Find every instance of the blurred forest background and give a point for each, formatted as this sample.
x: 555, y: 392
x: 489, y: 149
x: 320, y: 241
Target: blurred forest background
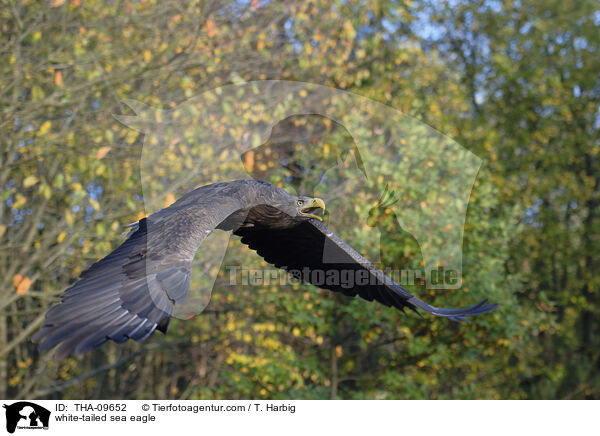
x: 515, y: 82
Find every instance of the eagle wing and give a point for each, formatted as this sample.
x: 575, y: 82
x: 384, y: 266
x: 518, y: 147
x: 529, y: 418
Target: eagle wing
x: 128, y: 294
x: 132, y: 291
x: 313, y: 253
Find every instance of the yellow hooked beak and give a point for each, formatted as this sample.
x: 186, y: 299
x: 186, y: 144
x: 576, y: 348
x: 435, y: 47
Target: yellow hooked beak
x: 312, y: 206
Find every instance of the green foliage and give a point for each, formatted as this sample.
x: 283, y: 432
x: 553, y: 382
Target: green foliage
x: 516, y: 85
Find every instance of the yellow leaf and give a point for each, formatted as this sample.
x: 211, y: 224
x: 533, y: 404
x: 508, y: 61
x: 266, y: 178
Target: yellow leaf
x: 131, y: 136
x: 76, y: 187
x: 56, y: 3
x: 102, y: 151
x: 44, y: 128
x: 211, y: 27
x: 24, y: 286
x: 29, y: 181
x: 349, y: 28
x: 22, y: 364
x: 2, y: 229
x: 170, y: 199
x: 21, y: 283
x: 95, y: 205
x: 19, y: 201
x: 58, y: 78
x: 147, y: 56
x: 249, y: 160
x: 45, y: 191
x: 17, y: 279
x: 339, y: 351
x: 61, y: 237
x: 69, y: 218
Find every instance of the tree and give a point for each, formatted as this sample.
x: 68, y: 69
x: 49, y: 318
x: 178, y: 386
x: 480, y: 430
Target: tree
x: 516, y: 85
x: 529, y: 73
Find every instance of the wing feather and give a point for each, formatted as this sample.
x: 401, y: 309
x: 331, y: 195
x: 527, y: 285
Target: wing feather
x: 311, y: 245
x: 132, y: 291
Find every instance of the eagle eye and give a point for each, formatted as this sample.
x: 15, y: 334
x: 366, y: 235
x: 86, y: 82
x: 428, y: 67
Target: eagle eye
x: 300, y: 202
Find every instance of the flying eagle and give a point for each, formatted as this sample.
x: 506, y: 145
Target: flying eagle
x: 133, y: 291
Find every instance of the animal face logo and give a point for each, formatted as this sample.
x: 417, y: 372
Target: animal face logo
x: 417, y: 181
x: 26, y: 415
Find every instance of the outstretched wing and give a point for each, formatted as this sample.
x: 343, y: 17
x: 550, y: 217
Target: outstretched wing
x: 128, y: 294
x: 132, y: 291
x: 313, y: 253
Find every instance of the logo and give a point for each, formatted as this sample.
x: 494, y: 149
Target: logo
x: 26, y: 415
x: 378, y: 170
